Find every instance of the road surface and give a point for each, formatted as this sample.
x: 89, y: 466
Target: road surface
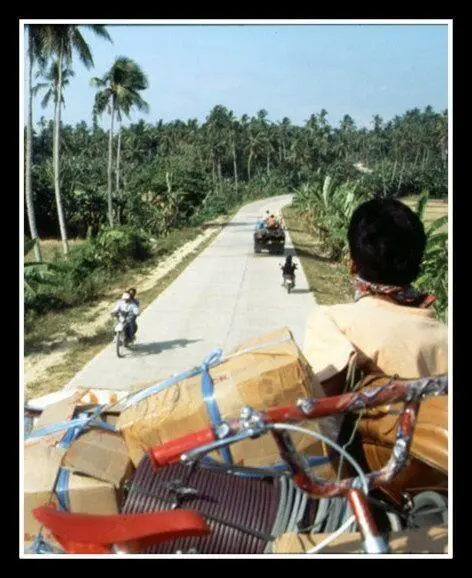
x: 226, y: 296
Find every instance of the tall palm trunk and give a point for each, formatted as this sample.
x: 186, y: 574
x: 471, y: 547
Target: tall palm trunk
x: 110, y: 165
x: 220, y: 179
x: 249, y: 160
x: 57, y: 189
x: 118, y: 152
x: 213, y: 169
x: 235, y: 165
x: 29, y: 163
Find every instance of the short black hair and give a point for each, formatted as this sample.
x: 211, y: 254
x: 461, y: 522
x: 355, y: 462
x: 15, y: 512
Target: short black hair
x: 386, y: 241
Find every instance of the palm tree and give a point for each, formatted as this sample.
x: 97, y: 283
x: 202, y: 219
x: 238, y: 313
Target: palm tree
x: 118, y: 93
x: 61, y: 41
x: 52, y: 77
x: 33, y: 56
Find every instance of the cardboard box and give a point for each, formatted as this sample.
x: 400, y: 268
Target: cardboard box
x: 55, y: 413
x: 433, y: 540
x: 86, y: 495
x: 89, y: 396
x: 96, y: 452
x: 100, y: 454
x: 264, y: 372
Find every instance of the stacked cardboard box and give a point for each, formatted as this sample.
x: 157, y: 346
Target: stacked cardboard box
x: 261, y: 373
x: 264, y: 372
x: 97, y: 464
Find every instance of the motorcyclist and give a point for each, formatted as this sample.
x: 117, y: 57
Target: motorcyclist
x: 128, y: 306
x: 132, y: 291
x: 288, y: 269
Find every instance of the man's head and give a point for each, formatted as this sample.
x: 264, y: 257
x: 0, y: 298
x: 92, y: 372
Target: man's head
x: 132, y: 292
x: 386, y: 242
x: 126, y: 296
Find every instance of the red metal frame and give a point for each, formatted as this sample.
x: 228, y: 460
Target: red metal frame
x: 80, y: 533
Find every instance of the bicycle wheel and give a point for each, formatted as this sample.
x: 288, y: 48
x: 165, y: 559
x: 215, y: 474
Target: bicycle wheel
x: 429, y: 509
x: 120, y: 339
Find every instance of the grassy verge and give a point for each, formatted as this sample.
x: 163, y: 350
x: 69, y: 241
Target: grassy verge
x: 330, y: 281
x: 435, y: 209
x: 45, y: 336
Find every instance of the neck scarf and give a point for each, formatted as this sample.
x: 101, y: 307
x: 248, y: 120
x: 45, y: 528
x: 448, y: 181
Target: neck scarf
x: 402, y: 294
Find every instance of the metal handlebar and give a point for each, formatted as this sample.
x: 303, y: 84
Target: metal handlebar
x: 253, y: 424
x: 195, y: 445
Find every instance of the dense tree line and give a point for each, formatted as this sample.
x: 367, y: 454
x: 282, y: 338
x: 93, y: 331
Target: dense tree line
x: 159, y: 176
x: 121, y: 187
x: 167, y: 172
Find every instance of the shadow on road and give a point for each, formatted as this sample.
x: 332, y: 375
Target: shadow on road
x: 158, y: 346
x: 300, y: 291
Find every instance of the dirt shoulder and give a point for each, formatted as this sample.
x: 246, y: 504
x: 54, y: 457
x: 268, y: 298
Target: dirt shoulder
x: 330, y: 281
x: 80, y: 334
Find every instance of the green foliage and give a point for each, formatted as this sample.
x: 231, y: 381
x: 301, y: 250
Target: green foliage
x: 176, y: 174
x: 84, y: 274
x: 434, y: 269
x: 328, y: 205
x: 119, y: 246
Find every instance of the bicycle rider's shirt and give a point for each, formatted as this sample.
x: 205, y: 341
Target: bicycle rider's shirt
x: 126, y: 307
x: 408, y: 341
x: 288, y: 269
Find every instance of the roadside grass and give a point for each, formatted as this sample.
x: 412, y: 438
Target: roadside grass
x: 330, y: 281
x: 435, y: 209
x: 51, y: 249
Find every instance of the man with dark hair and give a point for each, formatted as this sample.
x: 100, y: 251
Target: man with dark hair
x: 391, y: 327
x: 386, y: 242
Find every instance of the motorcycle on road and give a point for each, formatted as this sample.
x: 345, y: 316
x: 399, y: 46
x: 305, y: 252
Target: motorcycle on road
x: 123, y: 332
x: 289, y: 282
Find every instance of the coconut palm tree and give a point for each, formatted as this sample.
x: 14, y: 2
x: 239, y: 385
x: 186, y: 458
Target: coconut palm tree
x: 33, y: 56
x: 118, y: 93
x: 61, y: 42
x: 52, y: 78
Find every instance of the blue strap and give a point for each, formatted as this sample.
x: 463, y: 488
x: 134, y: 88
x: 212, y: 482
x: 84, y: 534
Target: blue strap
x: 81, y: 423
x: 209, y: 397
x: 41, y: 546
x: 62, y: 489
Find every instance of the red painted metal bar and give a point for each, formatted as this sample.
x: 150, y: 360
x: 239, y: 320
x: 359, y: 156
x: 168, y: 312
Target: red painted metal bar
x: 87, y: 533
x: 171, y: 451
x: 360, y: 509
x: 396, y: 391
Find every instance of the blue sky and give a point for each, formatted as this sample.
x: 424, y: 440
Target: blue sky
x: 289, y: 70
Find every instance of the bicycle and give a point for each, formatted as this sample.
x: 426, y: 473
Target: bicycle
x: 80, y: 533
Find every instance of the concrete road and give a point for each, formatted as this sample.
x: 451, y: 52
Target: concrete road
x: 226, y: 296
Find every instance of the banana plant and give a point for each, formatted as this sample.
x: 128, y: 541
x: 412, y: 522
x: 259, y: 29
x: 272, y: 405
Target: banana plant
x: 434, y: 269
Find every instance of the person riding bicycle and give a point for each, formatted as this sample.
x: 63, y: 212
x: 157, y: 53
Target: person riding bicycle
x: 389, y: 330
x: 288, y: 269
x: 132, y: 291
x: 128, y: 306
x: 390, y: 327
